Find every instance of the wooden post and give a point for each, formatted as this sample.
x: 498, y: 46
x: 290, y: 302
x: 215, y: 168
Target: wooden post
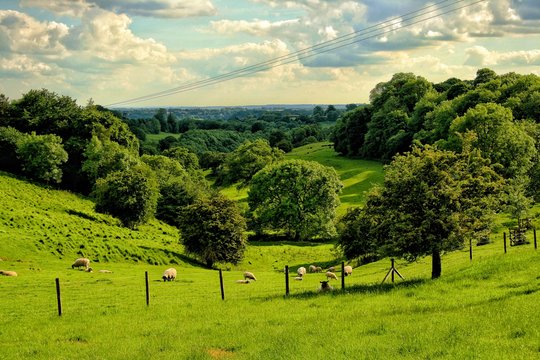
x: 504, y: 238
x: 392, y: 269
x: 147, y: 288
x: 535, y: 243
x: 58, y: 297
x: 286, y: 280
x: 470, y: 249
x: 342, y: 275
x: 221, y: 285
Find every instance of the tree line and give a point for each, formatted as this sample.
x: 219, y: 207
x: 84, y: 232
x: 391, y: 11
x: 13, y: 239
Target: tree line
x: 88, y: 149
x: 458, y: 152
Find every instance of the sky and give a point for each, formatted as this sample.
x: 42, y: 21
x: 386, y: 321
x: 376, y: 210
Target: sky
x: 113, y: 51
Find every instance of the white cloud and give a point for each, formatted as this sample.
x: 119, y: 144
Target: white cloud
x: 480, y: 56
x: 21, y: 33
x: 150, y: 8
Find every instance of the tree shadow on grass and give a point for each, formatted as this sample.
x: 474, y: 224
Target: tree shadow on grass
x: 360, y: 289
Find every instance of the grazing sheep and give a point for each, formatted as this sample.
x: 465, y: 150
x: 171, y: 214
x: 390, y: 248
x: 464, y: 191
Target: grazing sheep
x: 348, y: 270
x: 105, y: 271
x: 89, y: 269
x: 325, y: 286
x: 243, y: 281
x: 248, y: 275
x: 330, y: 275
x: 331, y: 269
x: 80, y: 262
x: 318, y: 269
x: 298, y: 278
x: 8, y: 273
x: 169, y: 274
x: 301, y: 271
x: 312, y: 268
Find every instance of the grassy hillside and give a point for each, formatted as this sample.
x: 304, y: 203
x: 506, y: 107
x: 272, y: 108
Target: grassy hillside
x: 487, y: 308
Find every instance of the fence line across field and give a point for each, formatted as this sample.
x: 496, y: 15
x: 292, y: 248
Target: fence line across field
x: 109, y: 293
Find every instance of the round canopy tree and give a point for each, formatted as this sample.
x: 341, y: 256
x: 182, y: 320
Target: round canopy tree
x: 297, y: 196
x: 130, y: 195
x: 431, y: 202
x: 213, y: 230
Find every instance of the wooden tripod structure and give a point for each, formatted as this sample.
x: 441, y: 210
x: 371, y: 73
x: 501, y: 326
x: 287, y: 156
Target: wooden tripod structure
x: 392, y: 271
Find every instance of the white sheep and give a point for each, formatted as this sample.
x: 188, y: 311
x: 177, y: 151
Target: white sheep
x: 243, y: 281
x: 89, y: 269
x: 312, y: 268
x: 325, y: 286
x: 169, y: 274
x: 8, y: 273
x: 331, y: 269
x: 301, y: 271
x: 248, y: 275
x: 330, y: 275
x: 348, y: 270
x: 81, y: 262
x: 299, y: 278
x: 103, y: 271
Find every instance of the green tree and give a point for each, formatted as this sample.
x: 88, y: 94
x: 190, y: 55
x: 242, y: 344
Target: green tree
x: 130, y: 195
x: 247, y: 160
x: 499, y: 138
x: 431, y: 202
x: 186, y: 158
x: 103, y: 158
x: 213, y: 230
x: 9, y: 138
x: 297, y: 196
x: 41, y: 156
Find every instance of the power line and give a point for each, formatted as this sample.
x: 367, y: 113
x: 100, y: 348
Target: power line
x: 321, y: 48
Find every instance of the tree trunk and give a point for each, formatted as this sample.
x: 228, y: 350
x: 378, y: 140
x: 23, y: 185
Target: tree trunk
x: 436, y: 264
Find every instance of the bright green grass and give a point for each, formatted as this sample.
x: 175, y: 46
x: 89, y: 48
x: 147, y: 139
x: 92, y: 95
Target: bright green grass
x: 358, y: 176
x: 485, y: 309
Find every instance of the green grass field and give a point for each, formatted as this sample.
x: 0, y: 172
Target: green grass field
x: 487, y: 308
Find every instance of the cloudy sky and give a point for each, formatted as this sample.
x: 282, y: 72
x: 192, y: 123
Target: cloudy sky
x: 117, y: 50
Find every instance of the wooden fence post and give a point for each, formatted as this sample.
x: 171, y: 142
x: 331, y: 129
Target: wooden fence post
x: 535, y: 243
x: 58, y: 297
x: 393, y: 267
x: 221, y: 285
x: 342, y: 275
x: 470, y: 249
x: 286, y: 280
x: 147, y: 288
x: 504, y: 238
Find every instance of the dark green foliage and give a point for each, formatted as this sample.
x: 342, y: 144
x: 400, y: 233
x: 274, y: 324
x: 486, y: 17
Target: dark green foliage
x: 244, y: 162
x: 41, y: 156
x: 130, y: 195
x: 431, y: 202
x: 349, y: 132
x: 299, y: 197
x: 213, y: 230
x: 187, y: 159
x: 9, y: 137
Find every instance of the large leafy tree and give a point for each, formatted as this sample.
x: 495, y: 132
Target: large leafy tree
x: 247, y: 160
x: 297, y: 196
x: 130, y: 195
x: 41, y: 156
x: 213, y: 230
x: 498, y: 138
x: 431, y: 202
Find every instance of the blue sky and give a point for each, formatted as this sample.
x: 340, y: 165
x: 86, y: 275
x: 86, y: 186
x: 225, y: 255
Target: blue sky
x: 116, y: 50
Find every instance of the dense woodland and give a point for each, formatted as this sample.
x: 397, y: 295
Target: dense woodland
x: 458, y: 152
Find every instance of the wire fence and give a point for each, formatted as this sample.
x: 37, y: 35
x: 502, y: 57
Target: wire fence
x: 105, y: 293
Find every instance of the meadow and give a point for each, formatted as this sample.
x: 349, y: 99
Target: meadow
x: 487, y: 308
